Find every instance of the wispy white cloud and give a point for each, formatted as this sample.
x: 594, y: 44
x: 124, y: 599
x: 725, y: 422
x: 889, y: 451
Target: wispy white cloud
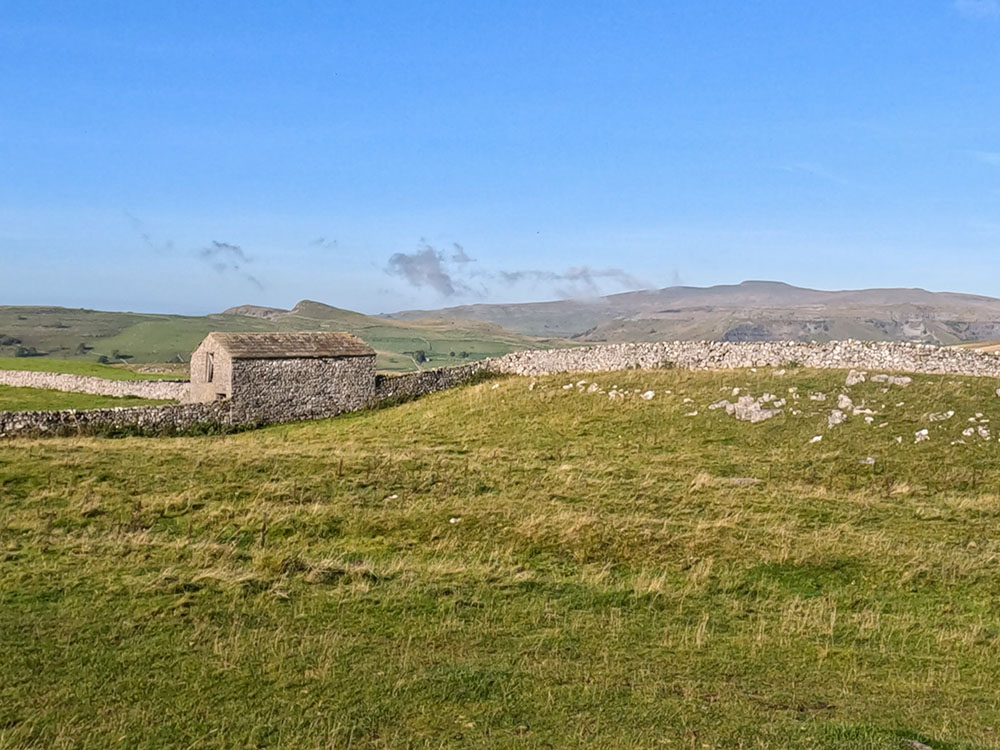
x: 814, y: 170
x: 978, y: 8
x: 987, y: 157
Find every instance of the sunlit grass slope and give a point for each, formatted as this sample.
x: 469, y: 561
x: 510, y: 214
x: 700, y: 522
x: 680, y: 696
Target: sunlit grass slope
x: 514, y: 566
x: 34, y: 399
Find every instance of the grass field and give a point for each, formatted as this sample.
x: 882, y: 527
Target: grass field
x: 33, y: 399
x: 517, y: 566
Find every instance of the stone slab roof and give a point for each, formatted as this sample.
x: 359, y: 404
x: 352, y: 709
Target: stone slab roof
x: 292, y: 345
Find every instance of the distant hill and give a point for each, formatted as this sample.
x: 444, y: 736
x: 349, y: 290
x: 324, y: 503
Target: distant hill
x: 753, y: 310
x: 65, y: 333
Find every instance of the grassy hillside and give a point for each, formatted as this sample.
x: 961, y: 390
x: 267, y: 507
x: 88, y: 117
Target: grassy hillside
x: 32, y: 399
x: 509, y: 565
x: 85, y: 335
x: 750, y: 311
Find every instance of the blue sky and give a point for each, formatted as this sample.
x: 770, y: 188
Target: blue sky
x: 189, y: 156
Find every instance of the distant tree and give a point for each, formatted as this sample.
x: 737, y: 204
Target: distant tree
x: 420, y: 355
x: 451, y: 354
x: 103, y: 359
x: 26, y: 351
x: 120, y: 356
x: 464, y: 355
x: 82, y: 348
x: 6, y: 340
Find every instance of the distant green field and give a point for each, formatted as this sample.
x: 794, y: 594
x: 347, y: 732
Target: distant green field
x: 516, y: 564
x: 77, y: 367
x: 85, y: 335
x: 31, y: 399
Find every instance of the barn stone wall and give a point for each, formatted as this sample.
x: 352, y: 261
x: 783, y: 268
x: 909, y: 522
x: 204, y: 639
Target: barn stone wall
x: 304, y: 388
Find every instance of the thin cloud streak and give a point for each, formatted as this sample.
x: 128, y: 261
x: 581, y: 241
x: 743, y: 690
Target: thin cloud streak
x: 428, y: 267
x: 224, y: 258
x: 978, y: 9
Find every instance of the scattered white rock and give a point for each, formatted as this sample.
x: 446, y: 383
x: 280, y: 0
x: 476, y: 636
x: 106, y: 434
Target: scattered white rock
x: 495, y: 386
x: 900, y: 380
x: 793, y: 389
x: 884, y: 424
x: 867, y: 461
x: 899, y: 439
x: 844, y: 402
x: 941, y: 417
x: 749, y: 409
x: 531, y: 385
x: 854, y: 377
x: 454, y: 519
x: 984, y: 432
x: 691, y: 414
x: 736, y: 391
x: 648, y: 395
x: 567, y: 386
x: 779, y: 403
x: 816, y: 439
x: 922, y: 435
x: 880, y: 378
x: 688, y: 401
x: 767, y: 398
x: 998, y: 392
x: 593, y: 388
x: 969, y: 432
x: 817, y: 397
x: 836, y: 417
x: 869, y: 419
x: 719, y: 405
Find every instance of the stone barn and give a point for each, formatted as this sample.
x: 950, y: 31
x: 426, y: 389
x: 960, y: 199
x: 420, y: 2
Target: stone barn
x: 282, y: 376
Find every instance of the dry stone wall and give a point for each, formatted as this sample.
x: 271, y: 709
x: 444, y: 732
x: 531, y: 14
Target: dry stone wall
x: 153, y: 420
x: 413, y: 384
x: 262, y: 396
x: 169, y: 390
x: 714, y: 355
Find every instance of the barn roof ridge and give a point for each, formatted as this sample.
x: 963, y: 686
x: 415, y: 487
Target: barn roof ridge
x: 290, y: 344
